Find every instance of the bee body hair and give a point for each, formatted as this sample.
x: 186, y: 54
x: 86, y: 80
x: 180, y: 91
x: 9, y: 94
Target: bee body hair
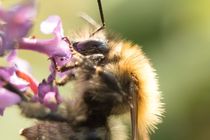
x: 108, y: 87
x: 134, y: 73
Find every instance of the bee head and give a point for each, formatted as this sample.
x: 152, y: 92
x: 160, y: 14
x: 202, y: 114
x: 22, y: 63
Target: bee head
x: 91, y: 45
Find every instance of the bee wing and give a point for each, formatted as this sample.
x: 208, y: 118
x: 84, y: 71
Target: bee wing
x: 89, y: 19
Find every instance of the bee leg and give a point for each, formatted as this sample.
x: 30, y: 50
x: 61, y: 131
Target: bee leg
x: 95, y: 58
x: 64, y: 80
x: 40, y: 112
x: 69, y: 65
x: 49, y: 131
x: 133, y: 111
x: 33, y: 109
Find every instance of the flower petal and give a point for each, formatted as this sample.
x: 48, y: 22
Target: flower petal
x: 7, y: 98
x: 6, y: 73
x: 48, y: 93
x: 52, y: 25
x: 50, y: 47
x: 50, y: 100
x: 44, y: 88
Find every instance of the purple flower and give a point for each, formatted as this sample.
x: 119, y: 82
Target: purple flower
x: 8, y: 75
x: 19, y: 79
x: 7, y: 98
x: 55, y: 47
x: 5, y: 74
x: 18, y: 76
x: 48, y: 93
x: 15, y: 24
x: 21, y: 76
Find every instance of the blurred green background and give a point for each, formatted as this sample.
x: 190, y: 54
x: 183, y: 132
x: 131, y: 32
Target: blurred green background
x: 176, y: 37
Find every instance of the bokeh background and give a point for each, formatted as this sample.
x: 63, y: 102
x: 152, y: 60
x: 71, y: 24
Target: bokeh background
x: 175, y: 35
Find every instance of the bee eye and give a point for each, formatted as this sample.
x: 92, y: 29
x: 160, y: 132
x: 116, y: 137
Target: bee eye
x: 89, y: 47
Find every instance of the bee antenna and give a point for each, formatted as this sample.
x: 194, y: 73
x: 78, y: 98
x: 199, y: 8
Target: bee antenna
x: 102, y: 18
x: 101, y: 13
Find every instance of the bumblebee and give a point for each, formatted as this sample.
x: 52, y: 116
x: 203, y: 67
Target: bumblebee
x: 116, y: 93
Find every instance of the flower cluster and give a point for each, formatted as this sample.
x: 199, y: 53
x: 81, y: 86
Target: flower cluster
x: 16, y: 82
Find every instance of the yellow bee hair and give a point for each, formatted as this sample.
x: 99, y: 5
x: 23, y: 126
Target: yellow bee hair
x: 133, y: 62
x: 136, y: 63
